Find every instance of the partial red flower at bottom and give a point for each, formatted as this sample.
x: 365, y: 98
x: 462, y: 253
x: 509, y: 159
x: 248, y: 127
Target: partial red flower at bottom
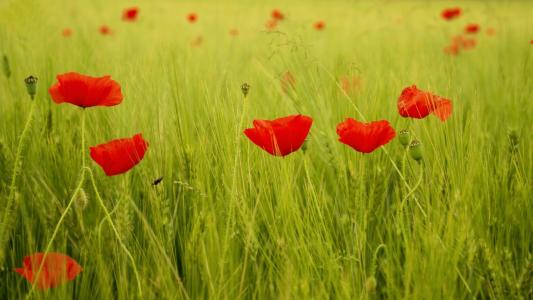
x: 365, y: 137
x: 56, y: 269
x: 120, y: 155
x: 282, y: 136
x: 319, y: 25
x: 418, y: 104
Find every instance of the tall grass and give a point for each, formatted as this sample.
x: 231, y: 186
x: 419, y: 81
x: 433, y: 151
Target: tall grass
x: 230, y: 221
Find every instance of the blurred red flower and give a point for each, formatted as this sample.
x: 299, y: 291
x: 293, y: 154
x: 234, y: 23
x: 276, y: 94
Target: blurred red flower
x: 56, y: 269
x: 414, y: 103
x: 282, y: 136
x: 451, y: 13
x: 192, y: 17
x: 105, y: 30
x: 319, y: 25
x: 66, y: 32
x: 130, y: 14
x: 277, y: 15
x: 472, y: 28
x: 120, y: 155
x: 86, y: 91
x: 271, y: 24
x: 365, y: 137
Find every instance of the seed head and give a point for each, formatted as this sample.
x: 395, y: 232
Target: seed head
x: 404, y: 137
x: 31, y: 85
x: 81, y: 200
x: 415, y: 149
x: 371, y: 284
x: 245, y: 87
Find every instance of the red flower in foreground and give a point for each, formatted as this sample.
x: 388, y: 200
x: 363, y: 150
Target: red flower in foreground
x: 472, y: 28
x: 56, y: 269
x: 86, y: 91
x: 365, y: 137
x: 120, y: 155
x: 277, y: 15
x: 451, y: 13
x: 414, y: 103
x: 130, y: 14
x: 319, y: 25
x: 105, y: 30
x: 281, y: 136
x: 66, y: 32
x: 192, y: 17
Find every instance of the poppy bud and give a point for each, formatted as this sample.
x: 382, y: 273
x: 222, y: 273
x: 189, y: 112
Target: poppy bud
x: 415, y: 149
x: 404, y: 137
x: 371, y: 284
x: 245, y: 87
x: 5, y: 65
x: 31, y: 86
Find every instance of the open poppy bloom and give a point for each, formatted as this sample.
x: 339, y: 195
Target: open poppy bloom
x: 365, y: 137
x: 282, y: 136
x: 414, y: 103
x: 130, y: 14
x: 192, y: 17
x: 277, y: 15
x: 319, y: 25
x: 120, y: 155
x: 56, y: 269
x: 451, y: 13
x: 472, y: 28
x: 86, y: 91
x: 105, y: 30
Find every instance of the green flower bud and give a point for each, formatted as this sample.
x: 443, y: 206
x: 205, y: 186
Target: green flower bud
x: 371, y: 284
x: 81, y: 200
x: 31, y: 86
x: 5, y: 65
x: 404, y: 137
x: 415, y: 149
x: 245, y: 88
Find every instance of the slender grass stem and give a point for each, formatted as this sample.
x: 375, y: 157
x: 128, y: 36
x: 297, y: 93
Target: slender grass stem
x: 10, y: 206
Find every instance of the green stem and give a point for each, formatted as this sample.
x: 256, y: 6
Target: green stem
x: 108, y: 217
x: 67, y: 209
x: 11, y: 199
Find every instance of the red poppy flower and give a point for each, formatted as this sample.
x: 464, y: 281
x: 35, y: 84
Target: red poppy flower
x: 130, y: 14
x: 414, y: 103
x: 365, y: 137
x: 472, y: 28
x: 281, y: 136
x: 120, y: 155
x: 531, y: 42
x: 277, y: 15
x: 451, y: 13
x: 105, y: 30
x: 86, y: 91
x: 56, y: 269
x: 319, y: 25
x: 66, y: 32
x: 192, y: 17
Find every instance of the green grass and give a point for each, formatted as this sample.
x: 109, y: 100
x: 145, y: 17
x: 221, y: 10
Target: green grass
x: 230, y: 221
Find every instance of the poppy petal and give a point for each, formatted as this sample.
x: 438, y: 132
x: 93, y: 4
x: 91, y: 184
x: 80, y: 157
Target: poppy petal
x: 120, y: 155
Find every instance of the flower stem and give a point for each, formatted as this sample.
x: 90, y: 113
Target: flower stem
x: 10, y: 206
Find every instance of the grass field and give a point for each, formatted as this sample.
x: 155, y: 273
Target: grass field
x: 230, y: 221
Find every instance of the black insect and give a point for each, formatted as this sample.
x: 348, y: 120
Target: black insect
x: 157, y: 181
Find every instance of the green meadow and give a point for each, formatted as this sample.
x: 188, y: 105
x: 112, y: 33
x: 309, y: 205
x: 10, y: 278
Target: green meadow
x: 230, y: 221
